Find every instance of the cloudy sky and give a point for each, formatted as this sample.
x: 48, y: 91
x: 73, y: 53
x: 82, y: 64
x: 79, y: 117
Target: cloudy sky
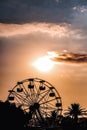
x: 29, y: 29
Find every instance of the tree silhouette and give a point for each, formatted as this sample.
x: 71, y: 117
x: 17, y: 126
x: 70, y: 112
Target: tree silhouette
x: 53, y: 119
x: 75, y: 110
x: 67, y: 123
x: 11, y: 116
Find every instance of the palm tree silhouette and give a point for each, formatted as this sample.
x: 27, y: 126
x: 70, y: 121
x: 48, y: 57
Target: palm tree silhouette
x: 75, y: 110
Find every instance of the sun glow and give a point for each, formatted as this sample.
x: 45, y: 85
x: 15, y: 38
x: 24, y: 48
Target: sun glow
x: 44, y: 64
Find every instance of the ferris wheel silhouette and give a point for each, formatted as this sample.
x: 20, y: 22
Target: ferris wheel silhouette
x: 36, y: 97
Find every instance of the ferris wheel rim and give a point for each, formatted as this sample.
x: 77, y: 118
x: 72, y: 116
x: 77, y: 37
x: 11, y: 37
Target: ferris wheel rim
x: 25, y: 80
x: 51, y: 88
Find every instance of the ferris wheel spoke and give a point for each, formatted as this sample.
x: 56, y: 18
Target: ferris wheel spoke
x: 48, y: 108
x: 45, y: 113
x: 21, y: 87
x: 37, y: 94
x: 48, y: 101
x: 26, y: 92
x: 36, y: 88
x: 46, y: 98
x: 51, y: 105
x: 33, y: 95
x: 21, y: 97
x: 17, y: 101
x: 27, y: 96
x: 41, y: 93
x: 38, y: 97
x: 43, y: 96
x: 30, y: 95
x: 31, y: 92
x: 26, y: 108
x: 21, y: 101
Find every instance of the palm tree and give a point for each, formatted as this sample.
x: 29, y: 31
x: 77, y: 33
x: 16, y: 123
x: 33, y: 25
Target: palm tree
x: 75, y: 110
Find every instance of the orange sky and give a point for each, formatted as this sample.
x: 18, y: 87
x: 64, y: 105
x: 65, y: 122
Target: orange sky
x: 21, y: 45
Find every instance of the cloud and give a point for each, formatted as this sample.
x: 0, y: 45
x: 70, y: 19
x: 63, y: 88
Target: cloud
x: 53, y: 11
x: 58, y: 36
x: 54, y: 30
x: 23, y: 29
x: 70, y: 58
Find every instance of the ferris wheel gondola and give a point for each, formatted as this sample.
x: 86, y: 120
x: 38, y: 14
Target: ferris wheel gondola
x: 36, y: 97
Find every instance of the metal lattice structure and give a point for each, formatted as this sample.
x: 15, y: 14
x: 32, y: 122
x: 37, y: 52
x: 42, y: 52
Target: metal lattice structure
x: 36, y: 97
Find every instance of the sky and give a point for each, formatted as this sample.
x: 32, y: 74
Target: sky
x: 29, y: 29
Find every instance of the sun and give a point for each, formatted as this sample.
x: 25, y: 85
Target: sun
x: 44, y: 64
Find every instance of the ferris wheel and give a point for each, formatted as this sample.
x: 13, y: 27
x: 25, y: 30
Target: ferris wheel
x: 36, y: 97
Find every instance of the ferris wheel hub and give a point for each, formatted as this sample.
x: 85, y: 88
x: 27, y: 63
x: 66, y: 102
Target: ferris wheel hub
x: 34, y: 107
x: 36, y: 97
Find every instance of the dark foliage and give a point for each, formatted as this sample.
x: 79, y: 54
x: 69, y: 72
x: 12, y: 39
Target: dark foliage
x: 11, y: 117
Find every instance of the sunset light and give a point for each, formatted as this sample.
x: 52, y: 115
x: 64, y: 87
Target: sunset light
x: 44, y: 64
x: 43, y: 52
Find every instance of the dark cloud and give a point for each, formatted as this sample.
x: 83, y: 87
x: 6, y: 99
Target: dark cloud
x: 22, y: 11
x: 71, y: 58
